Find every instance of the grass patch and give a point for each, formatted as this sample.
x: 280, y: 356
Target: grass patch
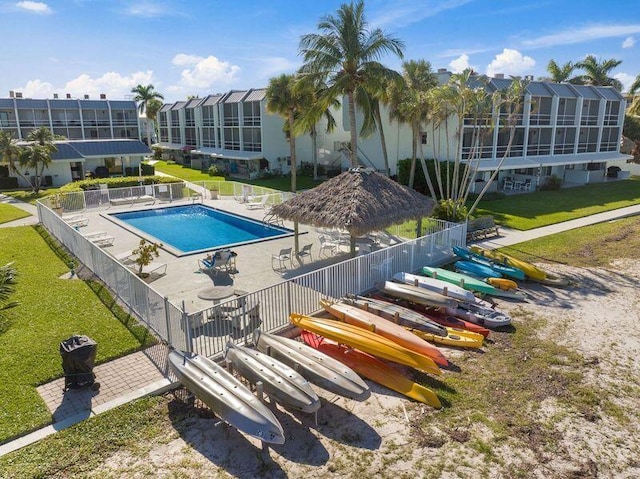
x: 51, y: 309
x: 590, y: 246
x: 282, y: 183
x: 11, y: 213
x: 28, y: 196
x: 542, y: 208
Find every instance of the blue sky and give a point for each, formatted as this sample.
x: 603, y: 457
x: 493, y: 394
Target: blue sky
x: 199, y: 47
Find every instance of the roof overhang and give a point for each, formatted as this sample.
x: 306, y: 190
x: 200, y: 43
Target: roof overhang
x: 492, y: 164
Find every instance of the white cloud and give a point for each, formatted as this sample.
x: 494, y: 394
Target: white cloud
x: 114, y: 85
x: 35, y: 7
x: 582, y: 34
x: 148, y: 9
x: 510, y: 62
x: 626, y: 80
x: 459, y: 64
x: 628, y: 42
x: 205, y: 72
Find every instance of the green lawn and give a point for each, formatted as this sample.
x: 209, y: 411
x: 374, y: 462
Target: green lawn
x: 51, y: 309
x: 542, y: 208
x: 29, y: 196
x: 11, y: 213
x: 281, y: 183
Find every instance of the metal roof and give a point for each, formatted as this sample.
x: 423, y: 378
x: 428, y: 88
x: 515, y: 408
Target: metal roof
x: 609, y: 93
x: 501, y: 83
x: 124, y: 104
x: 179, y: 105
x: 55, y: 104
x: 235, y: 96
x: 537, y: 88
x: 110, y: 147
x: 587, y: 92
x: 212, y: 100
x: 66, y: 152
x: 166, y: 107
x: 94, y: 104
x: 29, y: 103
x: 6, y: 102
x: 194, y: 102
x: 256, y: 94
x: 562, y: 89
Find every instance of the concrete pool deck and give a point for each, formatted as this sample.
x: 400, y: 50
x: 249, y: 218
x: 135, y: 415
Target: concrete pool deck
x: 183, y: 280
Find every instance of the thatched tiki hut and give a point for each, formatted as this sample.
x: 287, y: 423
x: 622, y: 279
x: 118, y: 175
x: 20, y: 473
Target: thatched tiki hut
x: 358, y: 201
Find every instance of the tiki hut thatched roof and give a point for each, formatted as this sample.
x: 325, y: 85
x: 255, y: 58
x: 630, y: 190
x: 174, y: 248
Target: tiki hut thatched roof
x: 358, y: 200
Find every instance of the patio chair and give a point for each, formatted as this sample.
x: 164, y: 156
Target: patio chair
x: 305, y: 251
x: 282, y: 257
x: 526, y: 185
x: 257, y: 205
x: 327, y: 245
x: 77, y: 221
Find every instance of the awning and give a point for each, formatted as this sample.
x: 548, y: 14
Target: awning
x: 169, y: 146
x: 550, y: 160
x: 228, y: 154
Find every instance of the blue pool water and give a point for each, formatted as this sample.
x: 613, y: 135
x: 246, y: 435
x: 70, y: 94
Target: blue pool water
x: 194, y: 228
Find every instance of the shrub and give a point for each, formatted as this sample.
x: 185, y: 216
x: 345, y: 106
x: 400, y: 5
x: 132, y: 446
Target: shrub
x: 631, y: 128
x: 148, y: 170
x: 552, y: 183
x: 449, y: 210
x: 157, y: 153
x: 213, y: 171
x: 122, y: 182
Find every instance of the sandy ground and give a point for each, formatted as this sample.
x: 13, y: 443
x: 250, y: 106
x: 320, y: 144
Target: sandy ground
x: 376, y: 438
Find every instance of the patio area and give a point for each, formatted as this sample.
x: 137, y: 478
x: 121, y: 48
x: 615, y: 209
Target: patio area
x: 255, y: 266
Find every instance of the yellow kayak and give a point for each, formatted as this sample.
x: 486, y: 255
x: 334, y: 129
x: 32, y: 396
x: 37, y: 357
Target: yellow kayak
x: 372, y: 368
x: 366, y: 341
x: 502, y: 283
x: 531, y: 271
x: 456, y: 338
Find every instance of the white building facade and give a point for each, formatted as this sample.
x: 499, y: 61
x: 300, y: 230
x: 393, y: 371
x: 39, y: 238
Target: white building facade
x: 102, y: 135
x: 572, y: 132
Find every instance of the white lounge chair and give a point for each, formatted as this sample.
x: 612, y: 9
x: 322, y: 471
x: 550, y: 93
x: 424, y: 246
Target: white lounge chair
x: 100, y: 238
x: 76, y: 221
x: 149, y: 270
x: 258, y: 205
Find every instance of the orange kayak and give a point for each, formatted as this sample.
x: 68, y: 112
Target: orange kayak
x: 383, y: 327
x: 366, y: 341
x: 372, y: 368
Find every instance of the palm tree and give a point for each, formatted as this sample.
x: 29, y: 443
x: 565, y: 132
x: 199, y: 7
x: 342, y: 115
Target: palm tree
x: 315, y: 105
x: 634, y: 108
x: 379, y: 91
x: 153, y: 107
x: 560, y: 73
x: 284, y: 99
x: 37, y: 153
x: 345, y: 55
x: 144, y: 94
x: 597, y: 72
x: 8, y: 275
x: 10, y: 152
x: 409, y: 104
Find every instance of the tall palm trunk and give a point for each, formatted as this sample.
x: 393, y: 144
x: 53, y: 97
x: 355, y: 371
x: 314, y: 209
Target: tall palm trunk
x: 353, y: 155
x: 294, y: 174
x: 383, y: 141
x: 414, y: 155
x: 314, y: 154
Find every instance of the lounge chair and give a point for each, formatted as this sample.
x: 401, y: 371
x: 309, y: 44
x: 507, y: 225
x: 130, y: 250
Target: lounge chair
x: 258, y: 205
x: 100, y: 238
x: 224, y: 260
x: 149, y: 270
x: 126, y: 257
x: 76, y: 221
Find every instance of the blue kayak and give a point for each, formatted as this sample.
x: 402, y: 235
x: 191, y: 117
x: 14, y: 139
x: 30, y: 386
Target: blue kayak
x: 504, y: 270
x: 476, y: 269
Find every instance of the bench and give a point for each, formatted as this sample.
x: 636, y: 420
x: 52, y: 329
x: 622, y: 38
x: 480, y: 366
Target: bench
x: 481, y: 228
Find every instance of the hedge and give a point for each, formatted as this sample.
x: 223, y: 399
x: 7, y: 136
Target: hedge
x: 122, y: 182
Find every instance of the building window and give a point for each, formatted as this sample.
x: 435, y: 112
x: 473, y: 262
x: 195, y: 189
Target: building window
x: 4, y: 118
x: 423, y: 138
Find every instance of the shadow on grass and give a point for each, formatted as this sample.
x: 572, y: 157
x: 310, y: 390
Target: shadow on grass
x: 141, y: 333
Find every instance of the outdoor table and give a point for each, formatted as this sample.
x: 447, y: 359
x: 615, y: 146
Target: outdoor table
x: 216, y: 293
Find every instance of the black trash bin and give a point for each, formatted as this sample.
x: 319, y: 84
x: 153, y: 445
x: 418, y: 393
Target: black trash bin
x: 78, y: 358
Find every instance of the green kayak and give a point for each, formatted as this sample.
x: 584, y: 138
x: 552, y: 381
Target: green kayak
x: 469, y: 283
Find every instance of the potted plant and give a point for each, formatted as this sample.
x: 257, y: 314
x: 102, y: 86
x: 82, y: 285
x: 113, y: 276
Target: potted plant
x: 214, y: 192
x: 144, y: 255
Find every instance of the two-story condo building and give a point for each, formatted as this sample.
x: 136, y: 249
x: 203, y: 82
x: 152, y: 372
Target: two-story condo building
x: 569, y: 131
x: 99, y: 134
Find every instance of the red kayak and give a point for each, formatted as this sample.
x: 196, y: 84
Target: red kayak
x: 372, y: 368
x: 437, y: 316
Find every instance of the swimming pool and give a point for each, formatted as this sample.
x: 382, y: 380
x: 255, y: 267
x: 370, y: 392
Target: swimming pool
x: 195, y: 228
